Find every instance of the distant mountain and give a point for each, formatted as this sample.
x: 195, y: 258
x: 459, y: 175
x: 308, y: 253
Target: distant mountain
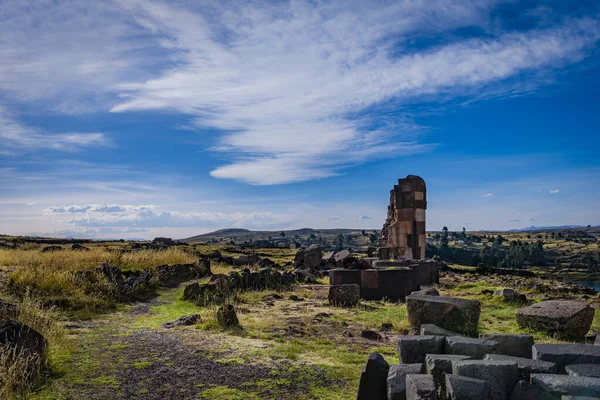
x: 547, y: 228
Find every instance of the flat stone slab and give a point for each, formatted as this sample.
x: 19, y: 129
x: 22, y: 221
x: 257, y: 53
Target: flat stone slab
x: 526, y: 391
x: 454, y: 314
x: 420, y: 387
x: 431, y: 329
x: 527, y: 366
x: 591, y: 370
x: 438, y: 365
x: 344, y: 295
x: 566, y: 385
x: 396, y: 380
x: 512, y: 345
x: 475, y: 348
x: 501, y: 375
x: 412, y: 349
x: 464, y: 388
x: 564, y: 318
x: 373, y: 379
x: 566, y: 354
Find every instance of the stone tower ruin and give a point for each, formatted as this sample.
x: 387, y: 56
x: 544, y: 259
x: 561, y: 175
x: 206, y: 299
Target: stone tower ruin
x: 403, y: 233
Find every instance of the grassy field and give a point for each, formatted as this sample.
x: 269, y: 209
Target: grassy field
x: 292, y: 344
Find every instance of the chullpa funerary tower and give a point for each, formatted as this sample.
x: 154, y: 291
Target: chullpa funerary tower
x: 403, y: 233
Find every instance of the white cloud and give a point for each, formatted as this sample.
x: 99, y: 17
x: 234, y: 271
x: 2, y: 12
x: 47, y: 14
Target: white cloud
x: 333, y: 218
x: 487, y: 195
x: 289, y: 86
x: 554, y: 191
x: 286, y: 82
x: 143, y: 216
x: 363, y: 217
x: 18, y: 137
x: 31, y: 203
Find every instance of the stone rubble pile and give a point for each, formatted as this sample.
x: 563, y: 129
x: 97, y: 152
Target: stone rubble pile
x: 457, y: 367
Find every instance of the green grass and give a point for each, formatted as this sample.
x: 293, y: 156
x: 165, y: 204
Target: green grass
x: 225, y: 392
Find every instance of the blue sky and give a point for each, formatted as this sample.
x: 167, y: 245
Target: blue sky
x: 130, y: 118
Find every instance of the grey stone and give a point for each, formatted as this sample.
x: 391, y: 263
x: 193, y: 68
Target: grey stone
x: 396, y: 380
x: 373, y: 379
x: 501, y: 375
x: 579, y: 398
x: 597, y: 340
x: 427, y: 291
x: 438, y: 365
x: 420, y: 387
x: 565, y: 354
x: 344, y: 295
x: 341, y: 255
x: 464, y: 388
x: 183, y: 321
x: 512, y: 345
x: 458, y: 315
x: 527, y: 366
x: 526, y: 391
x: 312, y: 256
x: 431, y: 329
x: 570, y: 319
x: 412, y: 349
x: 560, y: 385
x: 476, y: 348
x: 591, y: 370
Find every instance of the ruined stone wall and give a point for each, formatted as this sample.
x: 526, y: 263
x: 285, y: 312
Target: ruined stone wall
x: 403, y: 233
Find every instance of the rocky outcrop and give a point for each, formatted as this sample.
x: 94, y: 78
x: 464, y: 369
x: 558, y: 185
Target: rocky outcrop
x: 23, y: 342
x: 173, y: 275
x: 568, y: 319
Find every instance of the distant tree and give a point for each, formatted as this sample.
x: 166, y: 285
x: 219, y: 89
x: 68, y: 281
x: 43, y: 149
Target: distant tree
x: 464, y: 232
x: 528, y: 236
x: 444, y: 239
x: 589, y: 226
x: 364, y: 233
x: 373, y: 238
x: 499, y: 240
x: 282, y: 234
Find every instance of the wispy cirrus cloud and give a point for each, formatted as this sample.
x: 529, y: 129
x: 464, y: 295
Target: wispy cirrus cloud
x: 16, y: 137
x: 487, y: 195
x: 554, y: 191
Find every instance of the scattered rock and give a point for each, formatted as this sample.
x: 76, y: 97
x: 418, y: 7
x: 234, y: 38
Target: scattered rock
x: 501, y: 375
x: 475, y: 348
x: 51, y: 248
x: 512, y: 345
x: 566, y: 385
x: 370, y: 335
x: 386, y: 327
x: 312, y: 257
x: 226, y: 316
x: 591, y: 370
x: 183, y: 321
x: 23, y: 341
x: 570, y: 319
x: 458, y: 315
x: 396, y: 379
x: 510, y: 295
x: 526, y: 391
x: 344, y: 295
x: 420, y: 387
x: 412, y: 349
x: 426, y: 291
x: 373, y: 379
x: 431, y: 329
x: 464, y: 388
x: 566, y: 354
x: 78, y: 247
x: 295, y: 298
x: 340, y: 256
x: 526, y: 366
x: 191, y: 291
x: 438, y: 365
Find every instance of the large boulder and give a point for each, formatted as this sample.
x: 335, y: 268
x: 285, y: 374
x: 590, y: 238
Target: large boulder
x: 313, y: 256
x: 373, y: 379
x: 226, y: 316
x: 570, y: 319
x: 457, y: 315
x: 23, y: 341
x: 344, y: 295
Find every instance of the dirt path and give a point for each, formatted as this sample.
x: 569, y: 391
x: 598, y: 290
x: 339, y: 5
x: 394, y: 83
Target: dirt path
x: 115, y: 358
